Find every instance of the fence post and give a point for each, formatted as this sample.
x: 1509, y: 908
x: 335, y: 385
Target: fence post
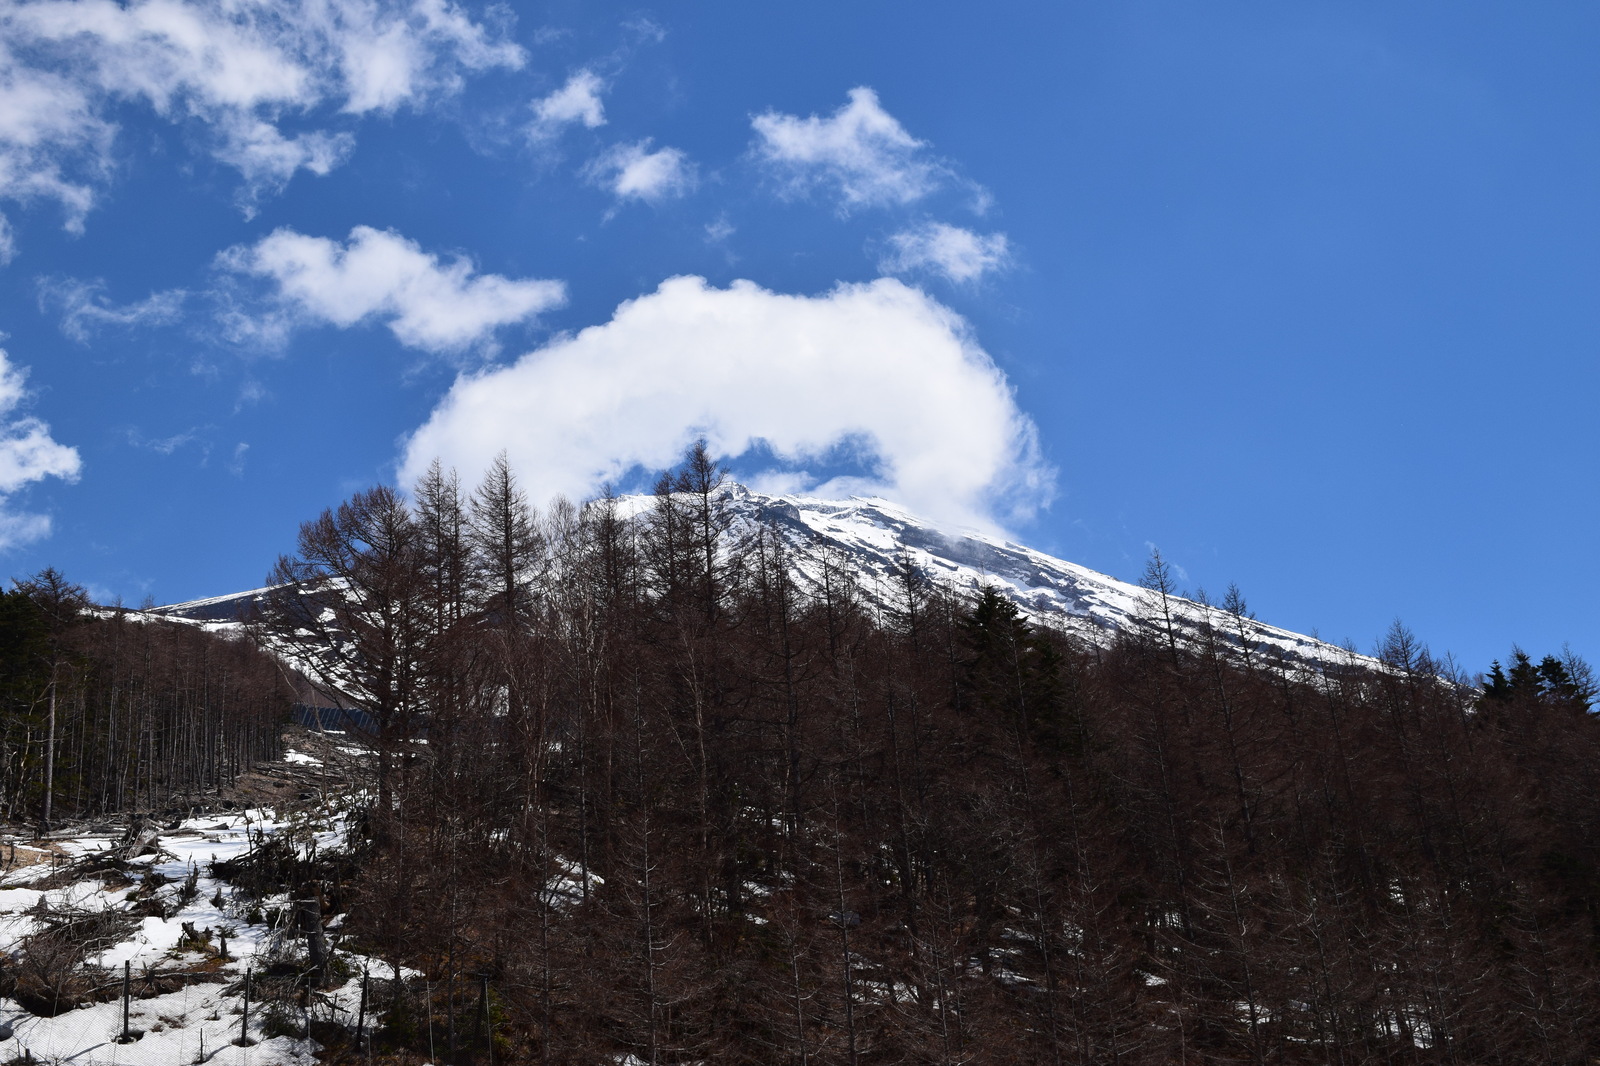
x: 244, y: 1020
x: 427, y: 998
x: 127, y: 1037
x: 361, y: 1012
x: 488, y: 1031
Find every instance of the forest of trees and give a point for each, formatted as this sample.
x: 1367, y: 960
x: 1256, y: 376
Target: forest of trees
x: 663, y: 800
x: 110, y: 710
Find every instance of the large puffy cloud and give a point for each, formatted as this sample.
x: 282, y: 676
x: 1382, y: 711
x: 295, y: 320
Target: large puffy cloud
x: 234, y: 66
x: 27, y: 454
x: 379, y: 275
x: 860, y: 151
x: 879, y: 367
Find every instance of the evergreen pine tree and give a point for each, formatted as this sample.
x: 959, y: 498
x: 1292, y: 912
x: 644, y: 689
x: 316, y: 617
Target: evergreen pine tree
x: 1495, y: 685
x: 1525, y: 680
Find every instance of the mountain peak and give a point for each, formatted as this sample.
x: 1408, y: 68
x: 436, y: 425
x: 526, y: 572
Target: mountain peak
x: 875, y: 538
x: 876, y: 535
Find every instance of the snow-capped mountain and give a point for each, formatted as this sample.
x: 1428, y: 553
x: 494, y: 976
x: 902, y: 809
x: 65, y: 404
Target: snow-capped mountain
x: 871, y: 537
x: 874, y: 535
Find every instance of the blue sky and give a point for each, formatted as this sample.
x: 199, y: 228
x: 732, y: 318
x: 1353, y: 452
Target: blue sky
x: 1303, y: 294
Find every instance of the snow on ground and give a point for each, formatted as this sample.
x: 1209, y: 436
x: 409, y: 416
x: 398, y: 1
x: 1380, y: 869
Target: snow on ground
x: 198, y: 1022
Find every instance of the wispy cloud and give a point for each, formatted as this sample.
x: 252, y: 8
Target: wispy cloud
x: 235, y: 69
x: 84, y: 307
x: 958, y: 254
x: 634, y: 172
x: 28, y: 453
x: 377, y: 275
x: 170, y: 444
x: 860, y: 152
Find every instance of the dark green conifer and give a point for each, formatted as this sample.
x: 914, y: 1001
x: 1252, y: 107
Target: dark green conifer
x: 1495, y: 685
x: 1010, y: 668
x: 1525, y: 680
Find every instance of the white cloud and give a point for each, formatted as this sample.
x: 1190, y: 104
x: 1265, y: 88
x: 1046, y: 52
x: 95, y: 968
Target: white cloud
x: 266, y: 159
x: 958, y: 254
x: 8, y: 241
x: 250, y: 392
x: 83, y: 307
x: 879, y: 368
x: 169, y: 445
x: 578, y: 101
x: 49, y: 125
x: 378, y: 274
x: 237, y: 67
x: 633, y: 172
x: 27, y: 454
x: 860, y: 150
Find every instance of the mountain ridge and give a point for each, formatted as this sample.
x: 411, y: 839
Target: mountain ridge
x: 876, y: 537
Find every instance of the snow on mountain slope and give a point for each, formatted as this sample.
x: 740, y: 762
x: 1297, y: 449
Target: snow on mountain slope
x: 873, y: 535
x: 869, y: 536
x: 226, y: 609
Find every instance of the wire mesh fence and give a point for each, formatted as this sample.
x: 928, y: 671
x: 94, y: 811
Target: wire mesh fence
x: 263, y: 1018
